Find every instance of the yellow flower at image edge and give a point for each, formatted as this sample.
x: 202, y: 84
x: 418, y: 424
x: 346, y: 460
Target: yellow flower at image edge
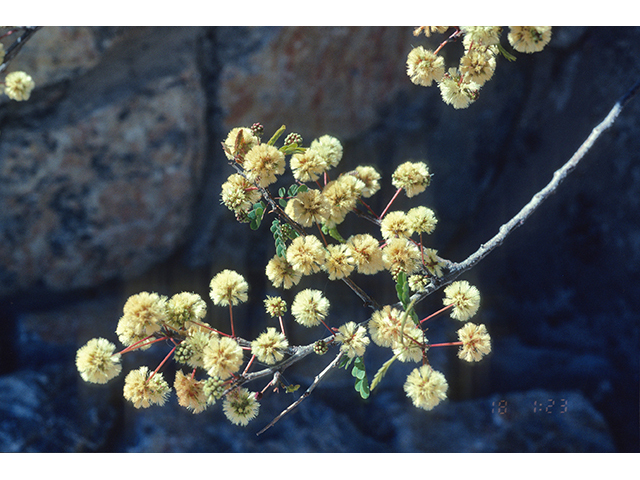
x: 228, y: 288
x: 142, y: 391
x: 18, y: 86
x: 426, y: 387
x: 96, y: 362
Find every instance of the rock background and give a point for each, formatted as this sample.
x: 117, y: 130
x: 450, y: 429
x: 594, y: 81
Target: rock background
x: 109, y: 185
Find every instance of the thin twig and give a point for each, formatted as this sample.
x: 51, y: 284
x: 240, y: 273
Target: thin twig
x: 455, y: 269
x: 315, y: 383
x: 15, y: 47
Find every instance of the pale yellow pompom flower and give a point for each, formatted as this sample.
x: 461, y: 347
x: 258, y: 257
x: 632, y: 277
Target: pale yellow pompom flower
x: 339, y: 262
x: 424, y: 67
x: 240, y: 406
x: 384, y: 326
x: 222, y: 357
x: 143, y: 314
x: 308, y: 208
x: 306, y: 254
x: 270, y: 346
x: 476, y: 342
x: 308, y: 166
x: 281, y: 273
x: 329, y: 148
x: 262, y: 163
x: 400, y: 254
x: 371, y: 179
x: 481, y: 35
x: 478, y: 64
x: 366, y: 253
x: 342, y: 195
x: 144, y: 391
x: 456, y: 92
x: 353, y: 338
x: 465, y: 299
x: 421, y: 220
x: 228, y: 288
x: 309, y: 307
x: 184, y: 308
x: 529, y: 39
x: 190, y: 392
x: 395, y: 225
x: 18, y: 86
x: 413, y: 177
x: 426, y: 387
x: 96, y: 361
x: 410, y: 347
x: 238, y: 194
x: 245, y: 143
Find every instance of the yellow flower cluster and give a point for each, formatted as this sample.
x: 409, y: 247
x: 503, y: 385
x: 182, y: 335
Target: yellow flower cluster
x: 460, y: 86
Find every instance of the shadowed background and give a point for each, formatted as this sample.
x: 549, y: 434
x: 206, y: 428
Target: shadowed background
x: 110, y: 184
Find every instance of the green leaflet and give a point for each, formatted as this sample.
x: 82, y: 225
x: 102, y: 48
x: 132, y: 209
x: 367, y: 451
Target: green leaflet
x: 255, y: 215
x: 362, y: 383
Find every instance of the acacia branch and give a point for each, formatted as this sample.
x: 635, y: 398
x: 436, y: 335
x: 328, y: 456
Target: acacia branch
x: 316, y: 381
x: 455, y: 269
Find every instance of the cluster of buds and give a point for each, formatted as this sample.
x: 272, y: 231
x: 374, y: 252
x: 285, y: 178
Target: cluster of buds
x: 460, y: 86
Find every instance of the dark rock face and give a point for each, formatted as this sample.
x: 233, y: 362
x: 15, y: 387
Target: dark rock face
x: 109, y: 184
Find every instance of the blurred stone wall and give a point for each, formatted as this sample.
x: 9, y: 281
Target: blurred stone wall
x: 109, y: 184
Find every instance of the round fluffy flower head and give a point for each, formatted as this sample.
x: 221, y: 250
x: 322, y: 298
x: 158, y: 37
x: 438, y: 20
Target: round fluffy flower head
x: 235, y: 147
x: 143, y: 314
x: 18, y: 86
x: 275, y: 306
x: 238, y: 194
x: 411, y: 347
x: 429, y: 30
x: 481, y: 35
x: 421, y: 220
x: 308, y: 208
x: 464, y: 297
x: 424, y: 67
x: 96, y: 361
x: 413, y: 177
x: 262, y: 163
x: 229, y: 288
x: 371, y: 179
x: 329, y: 148
x: 342, y: 195
x: 457, y: 92
x: 339, y: 262
x: 478, y: 63
x: 353, y: 338
x: 306, y: 254
x: 366, y: 253
x: 240, y: 406
x: 222, y: 356
x: 190, y: 392
x: 426, y: 387
x: 143, y: 390
x: 476, y: 342
x: 269, y: 347
x: 400, y: 254
x: 281, y: 273
x: 395, y: 224
x: 309, y: 307
x: 384, y: 326
x: 308, y: 166
x: 529, y: 39
x: 184, y: 308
